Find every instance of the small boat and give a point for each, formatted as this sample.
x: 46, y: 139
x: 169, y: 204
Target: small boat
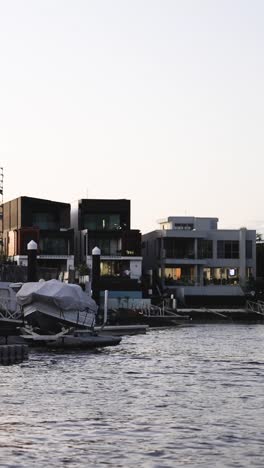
x: 51, y: 305
x: 69, y: 339
x: 10, y: 312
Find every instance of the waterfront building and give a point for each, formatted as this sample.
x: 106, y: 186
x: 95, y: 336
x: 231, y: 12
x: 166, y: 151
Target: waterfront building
x: 198, y: 262
x: 106, y: 224
x: 44, y: 221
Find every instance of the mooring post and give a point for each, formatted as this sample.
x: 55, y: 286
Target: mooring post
x: 96, y: 256
x: 105, y: 306
x: 32, y: 248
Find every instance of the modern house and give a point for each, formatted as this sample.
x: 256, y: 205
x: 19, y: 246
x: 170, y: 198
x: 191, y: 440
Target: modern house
x: 44, y: 221
x: 106, y: 224
x: 198, y: 262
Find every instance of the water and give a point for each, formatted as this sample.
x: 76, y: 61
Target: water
x: 190, y: 396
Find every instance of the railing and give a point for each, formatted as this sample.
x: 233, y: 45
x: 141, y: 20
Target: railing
x: 81, y: 317
x: 8, y: 311
x: 150, y: 310
x: 256, y: 307
x: 188, y: 281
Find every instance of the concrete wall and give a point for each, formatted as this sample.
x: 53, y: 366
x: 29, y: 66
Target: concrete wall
x: 135, y: 269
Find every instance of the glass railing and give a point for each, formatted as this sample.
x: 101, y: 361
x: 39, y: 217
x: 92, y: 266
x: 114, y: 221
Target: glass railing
x: 197, y: 282
x: 180, y: 254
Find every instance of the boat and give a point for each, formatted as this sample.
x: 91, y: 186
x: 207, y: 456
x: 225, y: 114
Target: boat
x: 50, y: 306
x: 69, y: 339
x: 10, y: 312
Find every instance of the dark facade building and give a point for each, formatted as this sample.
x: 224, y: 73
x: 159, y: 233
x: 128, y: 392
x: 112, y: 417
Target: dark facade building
x: 106, y: 224
x: 44, y: 221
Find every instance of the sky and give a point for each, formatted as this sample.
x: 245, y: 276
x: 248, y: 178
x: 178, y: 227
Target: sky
x: 157, y: 101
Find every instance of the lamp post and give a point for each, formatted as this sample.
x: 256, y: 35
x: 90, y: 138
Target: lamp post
x: 96, y: 255
x: 32, y: 248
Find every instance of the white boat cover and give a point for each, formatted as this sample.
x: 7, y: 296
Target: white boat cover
x: 64, y: 296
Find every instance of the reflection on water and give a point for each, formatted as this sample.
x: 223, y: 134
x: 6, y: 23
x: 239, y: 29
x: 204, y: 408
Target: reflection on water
x: 177, y: 397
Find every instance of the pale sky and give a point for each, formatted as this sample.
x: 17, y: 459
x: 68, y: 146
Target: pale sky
x: 158, y: 101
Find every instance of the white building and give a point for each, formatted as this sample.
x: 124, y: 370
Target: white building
x: 191, y: 256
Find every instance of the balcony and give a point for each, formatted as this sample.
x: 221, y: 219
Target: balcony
x: 119, y: 283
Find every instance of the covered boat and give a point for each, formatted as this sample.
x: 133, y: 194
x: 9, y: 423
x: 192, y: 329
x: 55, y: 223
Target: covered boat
x: 10, y: 312
x: 52, y: 305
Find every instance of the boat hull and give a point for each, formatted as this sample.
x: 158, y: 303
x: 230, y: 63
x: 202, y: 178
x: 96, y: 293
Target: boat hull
x: 49, y: 318
x: 88, y: 341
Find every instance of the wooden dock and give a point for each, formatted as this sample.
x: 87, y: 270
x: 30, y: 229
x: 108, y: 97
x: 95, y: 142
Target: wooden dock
x: 121, y: 330
x: 252, y: 312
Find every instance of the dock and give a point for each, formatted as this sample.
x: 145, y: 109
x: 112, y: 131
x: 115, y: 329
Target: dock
x: 120, y: 330
x: 252, y: 312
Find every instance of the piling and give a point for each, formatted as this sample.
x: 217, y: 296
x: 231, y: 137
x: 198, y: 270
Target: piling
x: 96, y: 256
x: 13, y: 354
x: 32, y: 248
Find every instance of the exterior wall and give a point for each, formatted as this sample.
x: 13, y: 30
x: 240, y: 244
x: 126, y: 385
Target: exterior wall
x: 68, y: 260
x: 103, y: 206
x: 124, y: 244
x: 120, y: 246
x: 21, y: 260
x: 86, y: 207
x: 136, y: 269
x: 18, y: 213
x: 32, y: 205
x: 184, y: 222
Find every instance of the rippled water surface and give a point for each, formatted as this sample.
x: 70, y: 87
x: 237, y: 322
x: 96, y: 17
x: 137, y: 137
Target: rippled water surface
x: 190, y: 396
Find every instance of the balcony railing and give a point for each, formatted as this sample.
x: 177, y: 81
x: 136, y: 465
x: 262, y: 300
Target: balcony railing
x: 179, y: 254
x: 188, y: 281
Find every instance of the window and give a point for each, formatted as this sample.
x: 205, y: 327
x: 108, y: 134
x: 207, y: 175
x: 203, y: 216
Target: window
x: 45, y: 220
x: 107, y: 246
x: 221, y: 276
x: 179, y: 248
x: 205, y: 248
x: 183, y: 227
x: 53, y: 246
x: 179, y: 275
x: 115, y: 268
x: 227, y: 249
x: 102, y: 222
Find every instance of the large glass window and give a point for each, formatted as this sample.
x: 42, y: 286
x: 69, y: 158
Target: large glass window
x: 179, y: 275
x: 227, y: 249
x: 107, y: 246
x: 53, y: 246
x: 115, y: 268
x: 205, y: 248
x: 101, y: 222
x: 45, y: 220
x: 179, y: 248
x: 221, y: 276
